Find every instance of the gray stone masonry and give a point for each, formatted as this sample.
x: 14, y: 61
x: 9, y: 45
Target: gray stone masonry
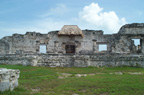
x: 95, y: 60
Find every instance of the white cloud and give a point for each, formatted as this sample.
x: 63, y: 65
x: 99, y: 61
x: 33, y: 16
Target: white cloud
x: 107, y: 21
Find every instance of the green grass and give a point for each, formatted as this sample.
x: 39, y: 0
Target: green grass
x: 45, y: 81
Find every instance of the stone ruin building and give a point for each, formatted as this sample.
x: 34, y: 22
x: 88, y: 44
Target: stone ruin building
x: 72, y: 46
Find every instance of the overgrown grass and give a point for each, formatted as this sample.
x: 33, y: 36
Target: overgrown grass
x: 45, y: 81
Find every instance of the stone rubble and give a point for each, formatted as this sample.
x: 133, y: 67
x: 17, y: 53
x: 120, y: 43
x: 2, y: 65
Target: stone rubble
x: 67, y: 75
x: 135, y: 73
x: 8, y: 79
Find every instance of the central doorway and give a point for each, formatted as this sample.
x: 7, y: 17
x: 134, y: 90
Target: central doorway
x: 70, y: 48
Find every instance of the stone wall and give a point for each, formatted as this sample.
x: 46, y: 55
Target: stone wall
x: 96, y: 60
x: 75, y: 50
x: 8, y: 79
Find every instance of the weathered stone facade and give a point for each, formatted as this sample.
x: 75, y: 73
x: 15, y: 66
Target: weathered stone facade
x: 97, y: 60
x: 8, y: 79
x: 70, y: 45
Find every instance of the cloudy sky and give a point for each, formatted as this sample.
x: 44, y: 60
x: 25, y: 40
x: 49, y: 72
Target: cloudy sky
x: 20, y: 16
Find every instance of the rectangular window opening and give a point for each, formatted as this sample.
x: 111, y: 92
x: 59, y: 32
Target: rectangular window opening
x: 42, y: 48
x: 136, y: 42
x: 137, y: 45
x: 102, y: 47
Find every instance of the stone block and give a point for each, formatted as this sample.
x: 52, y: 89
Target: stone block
x: 8, y: 79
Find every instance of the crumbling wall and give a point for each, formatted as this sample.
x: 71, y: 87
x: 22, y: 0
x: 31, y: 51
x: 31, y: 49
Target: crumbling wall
x: 132, y: 29
x: 30, y: 42
x: 8, y: 79
x: 27, y: 44
x: 129, y: 32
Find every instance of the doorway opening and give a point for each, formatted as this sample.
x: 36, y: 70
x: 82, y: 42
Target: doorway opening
x: 70, y: 48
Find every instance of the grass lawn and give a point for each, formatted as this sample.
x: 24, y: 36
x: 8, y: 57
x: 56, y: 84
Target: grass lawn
x: 78, y: 81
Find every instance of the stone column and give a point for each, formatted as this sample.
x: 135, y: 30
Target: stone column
x: 37, y: 46
x: 76, y: 47
x: 94, y: 46
x: 63, y: 45
x: 108, y: 47
x: 56, y: 47
x: 47, y: 48
x: 142, y: 46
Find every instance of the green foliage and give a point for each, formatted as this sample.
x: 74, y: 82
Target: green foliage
x: 45, y: 81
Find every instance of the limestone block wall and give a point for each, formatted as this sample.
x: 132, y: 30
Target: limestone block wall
x: 96, y: 60
x: 8, y: 79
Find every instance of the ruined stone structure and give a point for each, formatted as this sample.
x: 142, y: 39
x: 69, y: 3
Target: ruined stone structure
x: 72, y: 46
x: 8, y: 79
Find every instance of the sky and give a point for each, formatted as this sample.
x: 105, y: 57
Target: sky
x: 21, y: 16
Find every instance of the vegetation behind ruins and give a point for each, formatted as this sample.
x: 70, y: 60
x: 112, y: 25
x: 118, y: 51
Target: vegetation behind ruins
x: 78, y: 81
